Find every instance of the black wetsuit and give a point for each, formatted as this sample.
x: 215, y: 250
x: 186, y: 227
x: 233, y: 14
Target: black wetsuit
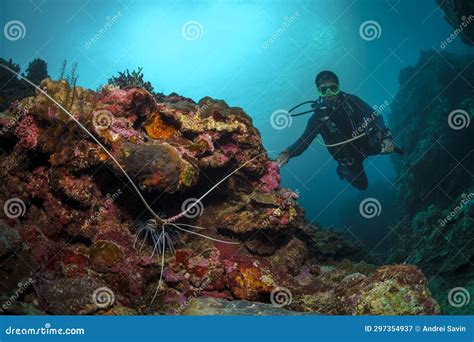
x: 349, y: 118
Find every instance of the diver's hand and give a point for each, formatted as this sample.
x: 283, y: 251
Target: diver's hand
x: 283, y: 158
x: 387, y: 146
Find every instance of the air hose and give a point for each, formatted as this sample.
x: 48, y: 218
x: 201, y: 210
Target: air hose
x: 313, y: 105
x: 341, y: 142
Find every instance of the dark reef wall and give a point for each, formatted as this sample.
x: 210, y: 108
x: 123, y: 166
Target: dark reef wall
x: 460, y: 15
x: 67, y: 228
x: 432, y: 119
x: 429, y: 172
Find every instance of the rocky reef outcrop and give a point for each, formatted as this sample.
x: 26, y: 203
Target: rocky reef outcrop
x: 69, y: 241
x: 431, y: 118
x: 460, y: 15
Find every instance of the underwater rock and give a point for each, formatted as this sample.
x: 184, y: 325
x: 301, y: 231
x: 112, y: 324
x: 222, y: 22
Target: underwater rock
x: 435, y: 174
x: 158, y: 167
x: 203, y: 306
x: 67, y: 295
x: 16, y: 272
x: 353, y: 279
x: 9, y: 241
x: 328, y: 244
x: 77, y: 220
x: 264, y: 220
x: 290, y: 259
x: 447, y: 239
x: 390, y: 290
x: 433, y: 151
x: 459, y: 14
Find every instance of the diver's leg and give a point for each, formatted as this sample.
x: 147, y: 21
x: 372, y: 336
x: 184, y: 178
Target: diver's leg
x: 341, y: 171
x: 354, y: 172
x: 358, y: 177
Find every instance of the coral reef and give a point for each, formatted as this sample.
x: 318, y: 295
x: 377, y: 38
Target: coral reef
x: 69, y: 215
x: 390, y: 290
x: 131, y: 79
x: 431, y: 118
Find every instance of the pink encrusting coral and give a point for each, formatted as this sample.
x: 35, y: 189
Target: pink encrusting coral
x: 51, y: 113
x: 123, y: 128
x: 73, y: 238
x: 205, y: 139
x: 271, y: 180
x: 27, y: 132
x: 116, y: 96
x: 229, y: 149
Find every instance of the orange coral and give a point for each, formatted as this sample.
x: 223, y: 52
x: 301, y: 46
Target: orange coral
x: 102, y: 155
x: 156, y: 128
x: 251, y: 282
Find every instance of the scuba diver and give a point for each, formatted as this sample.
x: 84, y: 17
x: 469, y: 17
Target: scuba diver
x: 351, y: 130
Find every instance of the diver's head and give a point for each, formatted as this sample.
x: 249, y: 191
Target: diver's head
x: 327, y: 83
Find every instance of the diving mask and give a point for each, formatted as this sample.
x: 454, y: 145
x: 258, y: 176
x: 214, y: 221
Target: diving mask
x: 327, y: 90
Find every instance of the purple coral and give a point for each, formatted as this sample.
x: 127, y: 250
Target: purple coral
x: 271, y: 180
x: 27, y: 133
x: 123, y: 127
x: 207, y: 139
x: 230, y: 149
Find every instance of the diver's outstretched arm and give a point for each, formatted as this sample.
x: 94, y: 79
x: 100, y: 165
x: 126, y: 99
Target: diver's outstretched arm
x: 303, y: 142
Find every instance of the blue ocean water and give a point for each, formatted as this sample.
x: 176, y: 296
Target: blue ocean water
x: 258, y: 55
